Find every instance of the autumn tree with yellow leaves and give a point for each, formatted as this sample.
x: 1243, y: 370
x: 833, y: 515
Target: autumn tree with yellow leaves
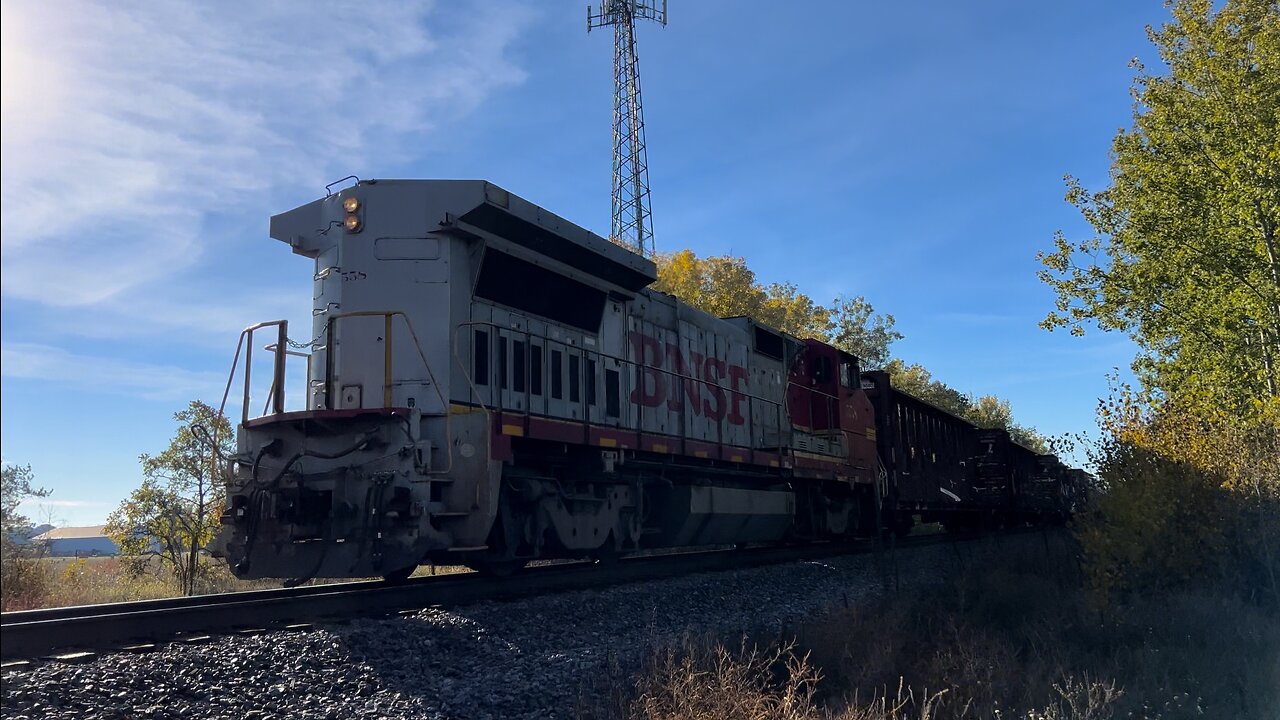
x: 724, y: 286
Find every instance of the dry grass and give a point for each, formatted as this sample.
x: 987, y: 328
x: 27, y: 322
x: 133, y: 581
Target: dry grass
x: 23, y: 580
x: 1021, y: 637
x: 47, y: 582
x: 705, y: 680
x: 1017, y: 639
x: 709, y: 681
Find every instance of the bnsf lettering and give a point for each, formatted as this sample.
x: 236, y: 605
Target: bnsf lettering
x: 680, y: 383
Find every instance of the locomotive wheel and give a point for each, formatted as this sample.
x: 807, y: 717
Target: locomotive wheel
x: 399, y: 576
x: 606, y: 554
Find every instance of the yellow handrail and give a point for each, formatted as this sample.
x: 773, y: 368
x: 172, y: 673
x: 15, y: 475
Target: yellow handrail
x: 387, y: 315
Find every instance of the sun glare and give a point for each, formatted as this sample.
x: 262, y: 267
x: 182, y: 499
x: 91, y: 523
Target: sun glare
x: 11, y: 62
x: 27, y: 80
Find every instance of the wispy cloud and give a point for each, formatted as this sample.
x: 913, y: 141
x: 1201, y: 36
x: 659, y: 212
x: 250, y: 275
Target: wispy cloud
x: 186, y: 312
x: 41, y: 502
x: 33, y: 361
x: 125, y: 126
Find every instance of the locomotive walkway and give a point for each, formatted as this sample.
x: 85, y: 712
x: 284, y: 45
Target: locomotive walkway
x: 79, y: 632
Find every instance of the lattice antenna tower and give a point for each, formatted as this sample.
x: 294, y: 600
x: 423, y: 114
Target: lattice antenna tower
x: 632, y: 217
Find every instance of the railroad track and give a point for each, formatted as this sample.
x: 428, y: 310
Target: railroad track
x: 74, y: 633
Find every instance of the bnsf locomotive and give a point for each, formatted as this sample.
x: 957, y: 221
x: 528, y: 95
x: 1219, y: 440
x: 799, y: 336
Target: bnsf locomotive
x: 489, y: 383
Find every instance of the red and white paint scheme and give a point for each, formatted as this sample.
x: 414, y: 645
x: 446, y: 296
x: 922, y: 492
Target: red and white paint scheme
x: 489, y: 383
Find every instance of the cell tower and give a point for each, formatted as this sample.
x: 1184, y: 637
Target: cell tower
x: 632, y: 222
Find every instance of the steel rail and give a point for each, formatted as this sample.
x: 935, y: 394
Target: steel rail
x: 120, y: 626
x: 83, y: 611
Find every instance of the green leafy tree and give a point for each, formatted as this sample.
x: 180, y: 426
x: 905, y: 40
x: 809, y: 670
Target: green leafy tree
x: 915, y: 380
x: 174, y: 514
x: 1185, y: 256
x: 862, y: 332
x: 1185, y: 259
x: 15, y: 486
x: 22, y: 580
x: 987, y: 411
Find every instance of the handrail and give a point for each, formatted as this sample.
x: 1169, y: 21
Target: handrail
x: 587, y: 353
x: 605, y: 356
x: 386, y: 353
x: 832, y: 401
x: 274, y: 347
x: 276, y: 393
x: 387, y: 315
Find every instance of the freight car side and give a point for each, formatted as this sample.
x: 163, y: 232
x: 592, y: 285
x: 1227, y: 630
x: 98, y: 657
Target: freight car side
x: 928, y: 456
x: 1044, y: 498
x: 1003, y: 474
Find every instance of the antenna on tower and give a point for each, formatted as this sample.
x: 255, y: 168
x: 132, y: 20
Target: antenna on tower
x: 632, y: 221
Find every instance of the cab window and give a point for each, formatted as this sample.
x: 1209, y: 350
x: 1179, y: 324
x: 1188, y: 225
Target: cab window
x: 821, y: 369
x: 848, y: 374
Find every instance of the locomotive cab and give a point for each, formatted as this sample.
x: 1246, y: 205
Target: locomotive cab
x: 391, y: 460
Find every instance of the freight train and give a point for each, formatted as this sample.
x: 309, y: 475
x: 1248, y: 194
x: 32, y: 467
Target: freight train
x: 490, y: 383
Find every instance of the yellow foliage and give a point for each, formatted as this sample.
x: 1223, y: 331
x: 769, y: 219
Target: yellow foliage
x: 1243, y: 454
x: 1191, y: 495
x: 723, y: 286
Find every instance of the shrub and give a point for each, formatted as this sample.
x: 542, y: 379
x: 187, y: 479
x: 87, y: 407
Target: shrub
x: 23, y: 581
x: 1014, y: 636
x: 708, y: 682
x: 1189, y: 498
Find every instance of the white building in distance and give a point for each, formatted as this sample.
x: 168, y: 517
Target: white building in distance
x: 76, y: 542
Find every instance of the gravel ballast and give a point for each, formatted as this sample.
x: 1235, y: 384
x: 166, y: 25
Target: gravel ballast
x: 530, y: 658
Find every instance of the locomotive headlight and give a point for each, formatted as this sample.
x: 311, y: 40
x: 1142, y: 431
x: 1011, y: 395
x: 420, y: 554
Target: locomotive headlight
x: 351, y: 204
x: 352, y: 223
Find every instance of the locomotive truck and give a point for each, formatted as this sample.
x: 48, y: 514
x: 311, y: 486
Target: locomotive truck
x: 490, y: 383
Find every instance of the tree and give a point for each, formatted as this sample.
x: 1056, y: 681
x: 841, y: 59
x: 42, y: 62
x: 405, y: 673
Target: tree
x: 1192, y: 498
x: 1185, y: 256
x: 22, y: 579
x: 915, y: 380
x: 987, y: 411
x: 861, y: 332
x: 15, y: 486
x: 1185, y: 259
x: 790, y: 310
x: 990, y: 411
x: 174, y: 514
x: 725, y: 286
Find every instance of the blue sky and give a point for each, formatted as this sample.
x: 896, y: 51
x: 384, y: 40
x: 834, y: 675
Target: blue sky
x: 909, y: 152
